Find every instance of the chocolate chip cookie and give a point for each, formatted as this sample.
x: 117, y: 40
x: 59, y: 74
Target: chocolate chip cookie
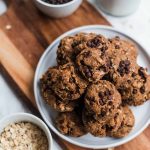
x: 65, y: 82
x: 120, y: 47
x: 92, y: 64
x: 126, y: 125
x: 70, y: 124
x: 53, y: 100
x: 136, y: 89
x: 102, y: 98
x: 94, y: 41
x: 66, y: 52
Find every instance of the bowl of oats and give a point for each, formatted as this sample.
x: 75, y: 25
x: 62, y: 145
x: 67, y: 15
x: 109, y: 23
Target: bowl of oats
x: 24, y: 131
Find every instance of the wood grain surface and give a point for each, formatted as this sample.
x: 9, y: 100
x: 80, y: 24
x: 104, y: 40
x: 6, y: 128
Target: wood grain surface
x: 24, y: 35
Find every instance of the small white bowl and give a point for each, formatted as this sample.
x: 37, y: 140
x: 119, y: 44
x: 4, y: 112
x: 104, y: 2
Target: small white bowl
x: 25, y: 117
x: 58, y: 11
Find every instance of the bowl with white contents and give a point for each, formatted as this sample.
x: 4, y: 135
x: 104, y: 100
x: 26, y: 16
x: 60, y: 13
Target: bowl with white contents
x: 24, y: 131
x: 58, y: 8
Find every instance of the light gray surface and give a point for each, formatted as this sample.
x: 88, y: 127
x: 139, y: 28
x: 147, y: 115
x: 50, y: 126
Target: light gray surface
x: 138, y: 24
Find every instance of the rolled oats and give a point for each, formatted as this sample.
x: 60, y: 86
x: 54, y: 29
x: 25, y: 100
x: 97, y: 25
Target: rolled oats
x: 23, y: 136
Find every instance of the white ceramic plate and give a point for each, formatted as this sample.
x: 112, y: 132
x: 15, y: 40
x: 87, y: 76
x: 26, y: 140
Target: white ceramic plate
x: 142, y: 113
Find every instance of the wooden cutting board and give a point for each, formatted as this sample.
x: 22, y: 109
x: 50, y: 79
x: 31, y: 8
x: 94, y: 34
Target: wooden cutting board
x: 24, y: 35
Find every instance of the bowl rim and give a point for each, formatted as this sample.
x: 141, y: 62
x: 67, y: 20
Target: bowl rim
x: 22, y: 114
x: 57, y: 6
x: 127, y: 34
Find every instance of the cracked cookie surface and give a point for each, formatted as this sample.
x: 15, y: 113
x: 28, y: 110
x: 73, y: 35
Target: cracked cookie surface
x: 53, y: 100
x: 102, y: 98
x: 65, y: 82
x: 92, y: 64
x: 126, y: 124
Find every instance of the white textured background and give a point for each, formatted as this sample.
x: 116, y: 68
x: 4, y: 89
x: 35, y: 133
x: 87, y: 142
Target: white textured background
x: 137, y: 24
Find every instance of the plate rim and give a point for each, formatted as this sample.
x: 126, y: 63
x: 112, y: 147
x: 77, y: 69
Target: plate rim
x: 48, y: 49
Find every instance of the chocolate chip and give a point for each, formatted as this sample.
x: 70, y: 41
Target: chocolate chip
x: 103, y: 127
x: 141, y: 73
x: 103, y: 49
x: 117, y: 46
x: 110, y: 103
x: 103, y: 113
x: 108, y: 77
x: 133, y: 74
x: 124, y: 67
x: 117, y: 37
x: 142, y: 89
x: 88, y: 73
x: 121, y: 90
x: 94, y: 43
x: 129, y: 81
x: 110, y: 40
x: 101, y: 102
x: 134, y: 91
x: 109, y: 128
x: 87, y: 54
x: 75, y: 43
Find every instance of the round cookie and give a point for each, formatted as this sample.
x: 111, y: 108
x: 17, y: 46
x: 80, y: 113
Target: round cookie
x: 65, y: 52
x: 65, y: 82
x: 92, y: 64
x: 126, y: 125
x: 120, y: 47
x: 102, y: 98
x: 70, y: 123
x: 136, y: 89
x: 53, y: 100
x: 94, y: 41
x: 92, y: 125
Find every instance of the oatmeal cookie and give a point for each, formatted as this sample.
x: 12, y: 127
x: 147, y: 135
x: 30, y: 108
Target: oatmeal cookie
x: 65, y: 82
x: 126, y: 125
x: 70, y: 123
x: 102, y: 98
x: 136, y: 89
x: 120, y: 47
x: 66, y: 52
x: 53, y: 100
x: 92, y: 64
x: 94, y: 41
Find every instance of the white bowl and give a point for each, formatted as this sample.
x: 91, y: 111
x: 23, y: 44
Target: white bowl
x: 141, y: 113
x: 58, y: 11
x: 19, y: 117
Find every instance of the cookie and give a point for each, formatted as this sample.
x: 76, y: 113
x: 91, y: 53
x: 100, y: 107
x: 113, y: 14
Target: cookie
x: 71, y: 124
x: 102, y: 98
x: 126, y: 125
x: 65, y: 82
x: 66, y: 52
x: 93, y: 41
x: 92, y: 64
x: 94, y: 126
x: 120, y: 47
x: 53, y: 100
x: 136, y: 89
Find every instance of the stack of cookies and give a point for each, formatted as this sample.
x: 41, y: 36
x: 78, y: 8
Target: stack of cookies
x: 94, y: 83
